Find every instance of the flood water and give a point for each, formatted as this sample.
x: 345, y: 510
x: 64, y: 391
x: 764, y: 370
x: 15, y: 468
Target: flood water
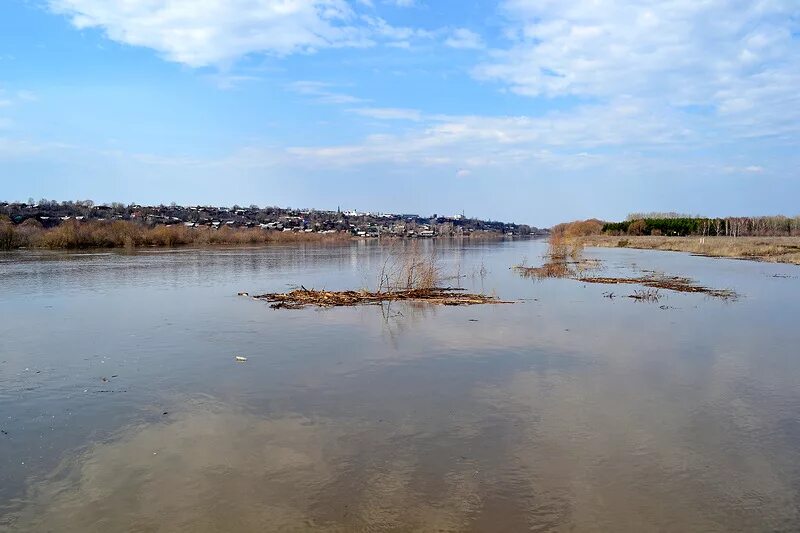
x: 122, y: 408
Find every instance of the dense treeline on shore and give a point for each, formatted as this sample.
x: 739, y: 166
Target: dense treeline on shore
x: 670, y: 224
x: 73, y: 234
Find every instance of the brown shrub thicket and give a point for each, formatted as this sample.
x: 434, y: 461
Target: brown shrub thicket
x: 637, y: 227
x: 8, y: 236
x: 578, y: 228
x: 74, y: 234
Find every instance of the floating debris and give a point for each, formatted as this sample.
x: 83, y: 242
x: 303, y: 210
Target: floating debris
x: 243, y: 294
x: 672, y: 283
x: 240, y: 359
x: 303, y: 297
x: 561, y: 261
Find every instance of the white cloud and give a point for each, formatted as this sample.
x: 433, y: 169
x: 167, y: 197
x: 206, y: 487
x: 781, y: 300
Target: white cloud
x: 463, y: 173
x: 381, y: 29
x: 464, y: 39
x: 220, y: 32
x: 12, y: 148
x: 473, y: 141
x: 735, y: 169
x: 740, y: 58
x: 599, y: 47
x: 388, y: 113
x: 214, y: 32
x: 322, y: 92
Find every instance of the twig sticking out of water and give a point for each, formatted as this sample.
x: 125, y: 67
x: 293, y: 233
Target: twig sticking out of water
x: 646, y: 295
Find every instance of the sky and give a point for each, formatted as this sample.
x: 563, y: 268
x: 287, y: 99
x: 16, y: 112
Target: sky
x: 531, y: 111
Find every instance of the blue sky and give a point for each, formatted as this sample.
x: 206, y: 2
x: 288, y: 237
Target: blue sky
x: 535, y: 111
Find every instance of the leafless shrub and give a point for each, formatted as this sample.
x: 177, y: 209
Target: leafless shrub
x: 406, y: 267
x: 563, y: 259
x: 646, y: 295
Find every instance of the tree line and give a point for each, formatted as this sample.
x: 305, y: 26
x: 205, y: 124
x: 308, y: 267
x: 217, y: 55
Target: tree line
x: 672, y: 224
x: 765, y: 226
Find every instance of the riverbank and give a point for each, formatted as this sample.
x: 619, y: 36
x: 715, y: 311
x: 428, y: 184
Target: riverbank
x: 771, y: 249
x: 74, y: 235
x: 83, y: 235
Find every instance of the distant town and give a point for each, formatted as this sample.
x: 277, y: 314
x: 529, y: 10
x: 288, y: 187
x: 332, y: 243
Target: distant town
x: 50, y: 213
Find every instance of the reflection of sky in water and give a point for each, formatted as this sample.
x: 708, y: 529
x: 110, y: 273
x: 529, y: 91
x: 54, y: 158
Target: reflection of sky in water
x: 565, y: 410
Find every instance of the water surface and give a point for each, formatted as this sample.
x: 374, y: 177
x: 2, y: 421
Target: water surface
x: 123, y: 409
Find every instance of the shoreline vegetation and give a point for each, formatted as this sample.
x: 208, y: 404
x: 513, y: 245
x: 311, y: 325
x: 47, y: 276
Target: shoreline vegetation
x: 83, y: 224
x: 772, y: 239
x: 77, y: 235
x: 768, y: 249
x: 564, y: 259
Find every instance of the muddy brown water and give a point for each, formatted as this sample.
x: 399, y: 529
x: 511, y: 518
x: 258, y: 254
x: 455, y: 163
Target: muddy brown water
x: 123, y: 409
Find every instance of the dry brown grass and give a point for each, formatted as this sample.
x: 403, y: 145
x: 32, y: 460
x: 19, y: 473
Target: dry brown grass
x: 407, y: 274
x: 299, y: 298
x: 654, y: 282
x: 564, y: 259
x: 578, y: 228
x: 74, y: 234
x: 772, y: 249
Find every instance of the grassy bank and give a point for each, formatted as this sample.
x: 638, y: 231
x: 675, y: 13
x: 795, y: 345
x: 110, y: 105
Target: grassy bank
x: 772, y: 249
x: 77, y: 235
x: 124, y: 234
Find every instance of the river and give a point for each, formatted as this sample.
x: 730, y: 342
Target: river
x: 123, y: 409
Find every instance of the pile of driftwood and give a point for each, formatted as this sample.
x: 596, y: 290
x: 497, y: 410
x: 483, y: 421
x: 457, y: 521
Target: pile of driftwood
x: 303, y: 297
x: 672, y: 283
